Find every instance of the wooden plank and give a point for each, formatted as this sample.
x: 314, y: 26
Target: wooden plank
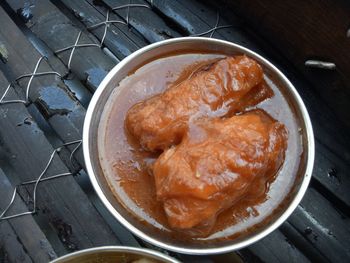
x: 68, y: 125
x: 61, y: 201
x: 301, y: 243
x: 79, y: 90
x: 28, y: 232
x: 72, y: 82
x: 318, y: 230
x: 338, y: 223
x: 248, y: 256
x: 123, y: 234
x: 144, y: 20
x: 332, y: 172
x: 64, y: 113
x: 207, y: 17
x: 89, y: 64
x: 330, y: 246
x: 323, y: 227
x: 6, y: 157
x: 277, y: 248
x: 119, y: 39
x: 182, y: 18
x: 11, y: 250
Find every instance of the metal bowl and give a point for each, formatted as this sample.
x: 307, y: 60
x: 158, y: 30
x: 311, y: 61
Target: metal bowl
x: 114, y: 254
x: 204, y: 45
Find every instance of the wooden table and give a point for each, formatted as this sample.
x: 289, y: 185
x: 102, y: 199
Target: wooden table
x: 61, y: 39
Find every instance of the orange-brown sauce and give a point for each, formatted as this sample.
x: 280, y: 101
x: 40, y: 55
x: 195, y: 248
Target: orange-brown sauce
x: 125, y: 163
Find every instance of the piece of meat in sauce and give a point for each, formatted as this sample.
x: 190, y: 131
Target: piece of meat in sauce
x: 216, y: 89
x: 215, y: 165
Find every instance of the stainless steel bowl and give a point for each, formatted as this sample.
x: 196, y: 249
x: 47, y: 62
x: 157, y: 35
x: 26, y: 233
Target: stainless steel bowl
x: 160, y: 49
x: 114, y: 254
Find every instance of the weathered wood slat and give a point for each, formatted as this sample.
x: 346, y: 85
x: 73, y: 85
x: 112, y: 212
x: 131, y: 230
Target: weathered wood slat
x: 89, y: 64
x: 64, y: 113
x: 277, y: 248
x: 66, y: 125
x: 6, y: 158
x: 318, y: 230
x: 182, y: 18
x: 298, y: 240
x: 323, y: 227
x: 144, y: 20
x: 123, y: 234
x: 332, y: 172
x: 72, y: 82
x: 332, y: 249
x: 196, y: 19
x: 328, y: 215
x: 11, y: 250
x: 71, y: 161
x: 247, y: 256
x: 118, y: 39
x: 61, y: 201
x: 79, y: 90
x: 29, y: 234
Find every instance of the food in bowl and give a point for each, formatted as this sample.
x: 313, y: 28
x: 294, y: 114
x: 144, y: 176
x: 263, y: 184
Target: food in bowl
x: 217, y: 163
x: 214, y: 89
x: 210, y: 156
x: 195, y: 145
x: 115, y: 254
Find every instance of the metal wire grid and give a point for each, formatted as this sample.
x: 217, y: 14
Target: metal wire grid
x: 31, y: 76
x: 214, y: 29
x: 74, y: 47
x: 36, y: 182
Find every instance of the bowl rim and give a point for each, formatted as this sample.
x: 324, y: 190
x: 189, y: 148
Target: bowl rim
x: 198, y: 251
x: 124, y: 249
